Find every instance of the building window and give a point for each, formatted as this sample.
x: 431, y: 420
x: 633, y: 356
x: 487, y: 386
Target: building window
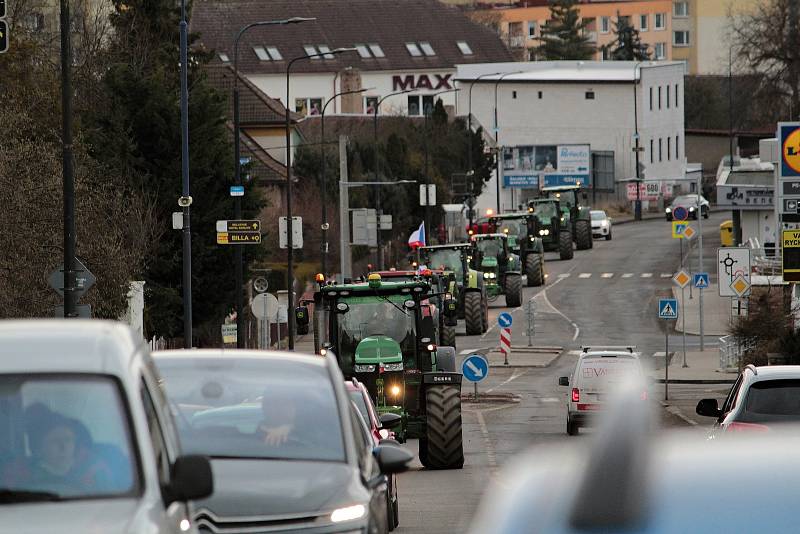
x: 261, y: 53
x: 605, y: 55
x: 668, y: 97
x: 376, y: 50
x: 680, y: 38
x: 660, y: 152
x: 414, y: 107
x: 274, y: 54
x: 464, y: 47
x: 370, y: 104
x: 644, y: 23
x: 669, y: 147
x: 363, y: 51
x: 661, y: 21
x: 680, y: 9
x: 661, y: 50
x: 659, y: 97
x: 590, y: 95
x: 531, y: 29
x: 651, y: 151
x: 269, y: 53
x: 413, y: 49
x: 540, y: 95
x: 224, y: 57
x: 651, y: 99
x: 311, y: 50
x: 605, y: 25
x: 676, y: 95
x: 308, y: 106
x: 514, y: 95
x: 427, y: 49
x: 325, y: 49
x: 677, y: 151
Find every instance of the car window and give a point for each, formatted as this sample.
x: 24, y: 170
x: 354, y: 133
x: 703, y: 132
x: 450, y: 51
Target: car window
x: 598, y: 215
x: 157, y: 440
x: 254, y: 408
x: 68, y: 437
x: 772, y: 400
x: 728, y: 404
x: 362, y: 440
x: 358, y: 399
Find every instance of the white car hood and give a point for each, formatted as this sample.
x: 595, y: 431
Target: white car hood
x: 106, y: 516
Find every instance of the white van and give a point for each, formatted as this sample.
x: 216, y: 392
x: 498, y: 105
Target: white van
x: 87, y: 442
x: 599, y: 373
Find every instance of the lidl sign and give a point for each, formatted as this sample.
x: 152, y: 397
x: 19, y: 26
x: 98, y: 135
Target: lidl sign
x: 790, y: 150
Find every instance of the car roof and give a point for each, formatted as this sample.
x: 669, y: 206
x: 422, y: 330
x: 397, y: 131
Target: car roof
x: 68, y: 346
x: 264, y: 355
x: 610, y: 354
x: 773, y: 372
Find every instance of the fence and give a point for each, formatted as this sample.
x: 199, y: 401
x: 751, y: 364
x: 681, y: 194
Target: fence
x: 731, y: 352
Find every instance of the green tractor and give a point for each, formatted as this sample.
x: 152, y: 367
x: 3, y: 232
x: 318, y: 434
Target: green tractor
x: 500, y: 266
x: 578, y: 216
x: 381, y: 333
x: 551, y: 225
x: 524, y: 241
x: 470, y: 290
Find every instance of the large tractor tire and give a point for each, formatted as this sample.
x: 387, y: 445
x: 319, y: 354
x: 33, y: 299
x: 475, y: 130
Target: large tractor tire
x: 448, y: 336
x: 565, y: 245
x: 534, y: 270
x: 513, y: 290
x: 583, y: 234
x: 473, y: 313
x: 446, y: 359
x: 442, y: 447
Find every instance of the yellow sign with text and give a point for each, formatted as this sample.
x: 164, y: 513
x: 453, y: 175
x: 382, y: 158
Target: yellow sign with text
x: 791, y: 255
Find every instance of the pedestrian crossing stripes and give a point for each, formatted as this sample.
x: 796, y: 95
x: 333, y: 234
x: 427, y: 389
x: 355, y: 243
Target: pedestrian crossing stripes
x: 585, y: 275
x: 666, y: 275
x: 606, y: 275
x: 647, y: 275
x: 627, y: 275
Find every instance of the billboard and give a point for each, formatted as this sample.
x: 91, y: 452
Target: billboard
x: 536, y: 166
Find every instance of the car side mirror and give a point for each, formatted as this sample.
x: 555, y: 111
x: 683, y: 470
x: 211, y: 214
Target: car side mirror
x: 392, y: 459
x: 390, y: 420
x: 708, y: 408
x: 191, y: 479
x: 563, y: 381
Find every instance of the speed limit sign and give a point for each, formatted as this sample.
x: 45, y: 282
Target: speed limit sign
x: 260, y: 284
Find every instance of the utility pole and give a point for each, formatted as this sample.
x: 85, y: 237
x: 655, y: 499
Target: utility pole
x: 345, y: 263
x: 637, y: 212
x: 67, y: 164
x: 186, y: 199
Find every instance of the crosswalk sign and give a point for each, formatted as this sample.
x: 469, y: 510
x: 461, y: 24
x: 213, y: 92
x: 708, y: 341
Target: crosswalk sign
x: 668, y: 309
x: 678, y: 227
x: 700, y: 280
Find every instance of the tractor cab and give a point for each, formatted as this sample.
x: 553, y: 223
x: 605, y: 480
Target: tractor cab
x: 578, y: 216
x: 523, y: 239
x: 500, y: 267
x: 552, y: 225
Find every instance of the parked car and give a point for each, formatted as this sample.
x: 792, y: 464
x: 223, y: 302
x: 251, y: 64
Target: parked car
x: 289, y: 450
x: 600, y: 371
x: 601, y: 224
x: 761, y: 398
x: 87, y: 441
x: 693, y: 204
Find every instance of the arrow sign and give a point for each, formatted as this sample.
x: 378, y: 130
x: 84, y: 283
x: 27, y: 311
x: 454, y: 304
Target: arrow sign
x: 475, y: 368
x: 668, y: 309
x: 505, y: 320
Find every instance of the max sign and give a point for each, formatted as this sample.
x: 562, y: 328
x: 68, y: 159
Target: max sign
x: 421, y: 81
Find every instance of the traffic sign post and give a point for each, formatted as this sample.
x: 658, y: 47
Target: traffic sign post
x: 475, y: 368
x: 668, y: 310
x: 505, y: 320
x: 265, y: 308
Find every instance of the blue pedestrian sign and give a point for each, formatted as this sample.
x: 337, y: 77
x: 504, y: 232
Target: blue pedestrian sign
x: 475, y: 368
x: 505, y: 320
x: 668, y: 309
x: 700, y: 280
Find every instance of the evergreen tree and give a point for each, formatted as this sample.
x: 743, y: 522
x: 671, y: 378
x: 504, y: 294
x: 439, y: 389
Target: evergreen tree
x: 136, y: 129
x: 628, y: 45
x: 563, y: 34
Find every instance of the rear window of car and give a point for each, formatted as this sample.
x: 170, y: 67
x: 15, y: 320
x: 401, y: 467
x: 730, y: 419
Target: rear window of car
x: 604, y: 374
x: 358, y: 399
x: 773, y: 400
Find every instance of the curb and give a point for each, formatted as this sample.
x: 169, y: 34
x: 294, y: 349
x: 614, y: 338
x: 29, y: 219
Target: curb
x: 677, y: 412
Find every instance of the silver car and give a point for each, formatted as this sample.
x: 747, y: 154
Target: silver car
x: 601, y: 224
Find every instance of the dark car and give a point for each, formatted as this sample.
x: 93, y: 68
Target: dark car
x: 693, y: 204
x: 289, y: 450
x: 761, y: 398
x: 378, y: 428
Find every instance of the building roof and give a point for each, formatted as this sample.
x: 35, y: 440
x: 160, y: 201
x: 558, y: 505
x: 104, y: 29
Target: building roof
x: 255, y: 107
x: 559, y: 71
x: 390, y: 24
x: 263, y: 168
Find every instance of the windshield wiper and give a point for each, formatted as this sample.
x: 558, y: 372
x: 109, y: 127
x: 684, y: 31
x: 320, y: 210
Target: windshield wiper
x: 384, y: 297
x: 13, y: 496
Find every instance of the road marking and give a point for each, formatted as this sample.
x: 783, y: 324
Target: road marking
x: 559, y: 312
x: 666, y: 275
x: 585, y: 275
x: 647, y: 275
x: 487, y: 442
x: 606, y: 275
x: 564, y: 275
x: 627, y: 275
x: 514, y: 376
x: 549, y: 399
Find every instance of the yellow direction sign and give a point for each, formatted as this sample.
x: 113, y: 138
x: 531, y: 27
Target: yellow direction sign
x: 678, y: 228
x: 238, y: 238
x: 681, y: 279
x: 791, y: 255
x: 740, y: 286
x: 688, y: 232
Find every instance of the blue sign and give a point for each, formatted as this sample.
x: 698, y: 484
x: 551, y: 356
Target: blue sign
x: 475, y: 368
x: 668, y: 309
x: 680, y: 213
x: 237, y: 190
x: 505, y: 320
x: 521, y: 180
x: 700, y: 280
x: 557, y: 179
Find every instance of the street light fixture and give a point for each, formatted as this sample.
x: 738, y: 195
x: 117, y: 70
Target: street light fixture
x: 427, y: 112
x: 378, y: 210
x: 496, y: 134
x: 289, y: 244
x: 237, y: 177
x: 325, y: 224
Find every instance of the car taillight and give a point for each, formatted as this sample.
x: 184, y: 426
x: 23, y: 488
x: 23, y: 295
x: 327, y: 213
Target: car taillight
x: 576, y: 395
x: 737, y: 426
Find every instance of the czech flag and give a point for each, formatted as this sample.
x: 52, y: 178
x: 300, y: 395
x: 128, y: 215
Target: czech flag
x: 417, y: 238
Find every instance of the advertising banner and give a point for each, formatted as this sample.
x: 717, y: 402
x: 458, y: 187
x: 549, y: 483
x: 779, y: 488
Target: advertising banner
x: 546, y: 165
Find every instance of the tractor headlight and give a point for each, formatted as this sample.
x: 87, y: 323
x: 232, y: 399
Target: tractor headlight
x: 395, y: 390
x: 486, y: 275
x: 364, y: 368
x: 546, y: 231
x: 392, y: 366
x: 492, y: 275
x: 431, y: 347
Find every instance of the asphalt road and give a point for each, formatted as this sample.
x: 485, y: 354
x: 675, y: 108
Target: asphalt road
x: 606, y: 295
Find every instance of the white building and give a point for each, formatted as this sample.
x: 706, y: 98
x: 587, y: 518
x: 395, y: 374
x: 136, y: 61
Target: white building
x: 544, y: 106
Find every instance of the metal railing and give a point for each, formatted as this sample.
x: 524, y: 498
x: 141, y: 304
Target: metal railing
x: 765, y: 260
x: 731, y: 352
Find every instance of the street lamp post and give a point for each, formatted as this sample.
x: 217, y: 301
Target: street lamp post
x: 470, y: 170
x: 325, y: 224
x: 67, y: 165
x: 186, y: 198
x: 427, y: 111
x: 378, y: 210
x: 289, y: 244
x: 237, y: 179
x: 496, y: 135
x: 637, y: 211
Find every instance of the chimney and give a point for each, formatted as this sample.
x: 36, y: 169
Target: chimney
x: 351, y: 81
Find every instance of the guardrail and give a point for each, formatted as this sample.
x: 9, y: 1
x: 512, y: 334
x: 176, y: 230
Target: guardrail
x: 730, y: 353
x: 765, y: 260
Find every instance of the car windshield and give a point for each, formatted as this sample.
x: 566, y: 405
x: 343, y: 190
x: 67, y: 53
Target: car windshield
x: 545, y: 211
x: 512, y: 227
x: 369, y: 316
x: 490, y: 247
x: 598, y: 215
x: 773, y: 400
x: 447, y: 259
x: 685, y: 200
x: 64, y: 437
x: 254, y: 408
x: 358, y: 399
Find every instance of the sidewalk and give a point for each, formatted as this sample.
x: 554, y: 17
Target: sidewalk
x: 716, y: 311
x: 703, y: 368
